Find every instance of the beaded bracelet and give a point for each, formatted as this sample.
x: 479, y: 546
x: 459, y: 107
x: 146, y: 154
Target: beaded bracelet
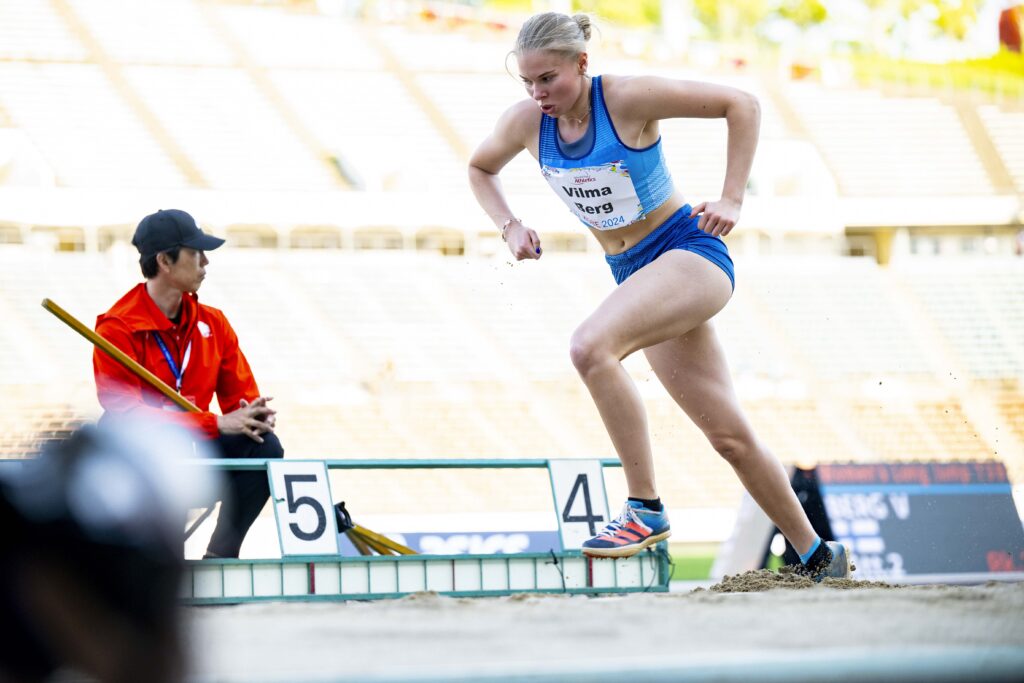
x: 504, y: 226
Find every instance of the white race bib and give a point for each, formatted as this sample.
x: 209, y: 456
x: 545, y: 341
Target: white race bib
x: 602, y: 196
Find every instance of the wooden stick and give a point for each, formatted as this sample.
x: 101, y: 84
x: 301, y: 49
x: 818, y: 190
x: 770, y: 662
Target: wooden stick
x: 358, y: 542
x: 384, y: 541
x: 120, y: 356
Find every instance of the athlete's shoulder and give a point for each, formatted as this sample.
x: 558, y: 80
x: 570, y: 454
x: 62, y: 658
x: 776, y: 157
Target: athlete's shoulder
x: 638, y: 96
x: 520, y: 121
x: 524, y: 108
x: 620, y: 86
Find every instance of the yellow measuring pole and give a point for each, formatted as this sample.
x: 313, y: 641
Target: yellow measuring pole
x: 382, y: 544
x: 120, y: 356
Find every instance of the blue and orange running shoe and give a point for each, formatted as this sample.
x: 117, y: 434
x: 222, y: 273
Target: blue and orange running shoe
x: 635, y: 529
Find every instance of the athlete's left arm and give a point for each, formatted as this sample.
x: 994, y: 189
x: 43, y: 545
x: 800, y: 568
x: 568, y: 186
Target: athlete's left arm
x: 650, y: 98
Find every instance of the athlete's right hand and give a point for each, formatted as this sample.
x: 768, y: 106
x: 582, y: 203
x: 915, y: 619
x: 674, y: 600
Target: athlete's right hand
x: 251, y: 419
x: 523, y: 242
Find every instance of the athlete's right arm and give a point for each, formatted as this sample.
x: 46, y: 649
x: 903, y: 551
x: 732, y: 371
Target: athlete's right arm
x: 508, y: 139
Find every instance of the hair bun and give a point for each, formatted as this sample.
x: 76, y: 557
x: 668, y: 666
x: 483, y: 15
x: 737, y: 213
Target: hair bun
x: 583, y: 21
x: 554, y: 32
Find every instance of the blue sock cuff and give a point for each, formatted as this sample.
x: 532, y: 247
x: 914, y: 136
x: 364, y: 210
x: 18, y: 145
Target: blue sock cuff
x: 814, y: 546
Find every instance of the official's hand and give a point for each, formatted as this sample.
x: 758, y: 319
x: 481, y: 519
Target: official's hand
x: 522, y: 241
x: 270, y: 417
x: 717, y: 218
x: 251, y: 419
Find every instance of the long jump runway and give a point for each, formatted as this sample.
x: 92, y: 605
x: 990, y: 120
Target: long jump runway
x: 923, y: 633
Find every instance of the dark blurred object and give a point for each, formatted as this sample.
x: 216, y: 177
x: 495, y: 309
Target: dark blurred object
x: 343, y: 518
x: 91, y: 555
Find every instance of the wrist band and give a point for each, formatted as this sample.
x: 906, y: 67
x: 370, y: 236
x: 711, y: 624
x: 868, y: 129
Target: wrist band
x: 504, y: 226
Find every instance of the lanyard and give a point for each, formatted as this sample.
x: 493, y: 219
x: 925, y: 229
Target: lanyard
x: 178, y: 374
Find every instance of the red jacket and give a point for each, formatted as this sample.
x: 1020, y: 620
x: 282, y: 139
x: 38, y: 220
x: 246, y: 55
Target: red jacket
x: 215, y: 363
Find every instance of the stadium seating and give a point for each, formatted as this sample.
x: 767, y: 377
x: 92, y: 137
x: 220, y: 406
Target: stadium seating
x: 35, y: 30
x: 853, y: 325
x: 102, y: 145
x: 1005, y: 126
x: 301, y: 83
x: 395, y: 354
x: 884, y: 146
x: 979, y: 312
x: 215, y: 115
x: 151, y: 32
x: 375, y: 345
x: 292, y: 40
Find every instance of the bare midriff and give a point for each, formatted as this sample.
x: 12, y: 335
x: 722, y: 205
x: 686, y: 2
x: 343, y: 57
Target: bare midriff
x: 622, y: 239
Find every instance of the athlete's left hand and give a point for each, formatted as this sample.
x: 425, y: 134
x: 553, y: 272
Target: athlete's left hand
x: 717, y: 218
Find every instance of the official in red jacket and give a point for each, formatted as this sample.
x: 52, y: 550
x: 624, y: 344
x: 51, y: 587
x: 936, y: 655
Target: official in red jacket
x: 192, y: 347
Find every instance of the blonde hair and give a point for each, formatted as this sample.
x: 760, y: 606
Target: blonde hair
x: 554, y: 32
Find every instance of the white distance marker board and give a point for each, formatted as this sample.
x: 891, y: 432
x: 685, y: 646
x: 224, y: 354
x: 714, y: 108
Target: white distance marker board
x: 302, y: 505
x: 580, y: 499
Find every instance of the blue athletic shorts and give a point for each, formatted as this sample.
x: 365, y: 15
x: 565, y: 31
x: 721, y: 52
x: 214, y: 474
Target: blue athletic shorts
x: 678, y: 232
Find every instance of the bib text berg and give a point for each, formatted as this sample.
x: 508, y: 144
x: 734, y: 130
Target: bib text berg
x: 577, y: 192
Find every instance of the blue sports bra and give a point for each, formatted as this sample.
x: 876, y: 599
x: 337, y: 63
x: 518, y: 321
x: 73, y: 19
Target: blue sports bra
x: 609, y: 185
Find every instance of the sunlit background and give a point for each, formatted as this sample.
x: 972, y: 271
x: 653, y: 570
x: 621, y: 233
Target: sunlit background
x: 879, y: 310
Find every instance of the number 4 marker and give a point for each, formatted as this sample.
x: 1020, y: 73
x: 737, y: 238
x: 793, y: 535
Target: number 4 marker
x: 580, y: 500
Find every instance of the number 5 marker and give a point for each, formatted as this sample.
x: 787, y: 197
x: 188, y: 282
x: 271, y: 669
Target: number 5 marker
x: 303, y: 507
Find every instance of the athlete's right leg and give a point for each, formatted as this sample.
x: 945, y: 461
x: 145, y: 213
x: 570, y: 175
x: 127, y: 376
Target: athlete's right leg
x: 674, y: 293
x: 665, y: 299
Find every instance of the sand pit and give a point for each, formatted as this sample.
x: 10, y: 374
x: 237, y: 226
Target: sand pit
x: 763, y: 580
x: 856, y: 631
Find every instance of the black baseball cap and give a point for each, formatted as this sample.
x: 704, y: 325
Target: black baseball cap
x: 169, y: 228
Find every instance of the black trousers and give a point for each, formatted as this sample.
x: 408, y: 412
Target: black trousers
x: 246, y: 492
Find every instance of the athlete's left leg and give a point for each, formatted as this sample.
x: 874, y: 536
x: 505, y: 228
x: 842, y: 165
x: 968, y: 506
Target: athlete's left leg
x: 693, y: 369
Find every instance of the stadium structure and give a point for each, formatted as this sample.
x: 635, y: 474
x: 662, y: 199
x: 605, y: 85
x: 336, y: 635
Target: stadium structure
x: 879, y: 309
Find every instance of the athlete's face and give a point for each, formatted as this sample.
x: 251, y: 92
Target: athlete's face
x: 554, y: 81
x: 188, y: 272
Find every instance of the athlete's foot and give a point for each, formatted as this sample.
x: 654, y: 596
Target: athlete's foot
x: 635, y: 529
x: 834, y: 564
